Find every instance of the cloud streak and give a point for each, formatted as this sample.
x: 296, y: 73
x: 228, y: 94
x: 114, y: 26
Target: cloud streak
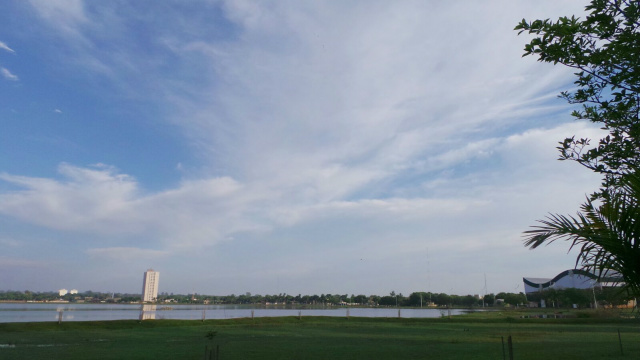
x: 6, y: 47
x: 8, y: 75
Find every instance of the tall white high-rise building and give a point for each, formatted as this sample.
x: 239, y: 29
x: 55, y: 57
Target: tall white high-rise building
x: 150, y: 285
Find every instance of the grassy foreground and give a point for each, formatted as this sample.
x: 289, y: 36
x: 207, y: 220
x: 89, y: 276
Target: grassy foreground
x: 476, y: 336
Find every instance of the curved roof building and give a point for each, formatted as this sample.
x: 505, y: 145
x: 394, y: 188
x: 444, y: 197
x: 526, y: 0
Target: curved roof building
x: 575, y: 278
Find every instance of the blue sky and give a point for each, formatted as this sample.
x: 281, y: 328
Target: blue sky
x: 280, y: 147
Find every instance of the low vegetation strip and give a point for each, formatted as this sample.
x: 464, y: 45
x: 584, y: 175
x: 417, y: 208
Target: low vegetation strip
x: 464, y: 337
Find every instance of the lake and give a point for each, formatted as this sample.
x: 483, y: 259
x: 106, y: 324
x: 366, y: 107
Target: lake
x: 41, y: 312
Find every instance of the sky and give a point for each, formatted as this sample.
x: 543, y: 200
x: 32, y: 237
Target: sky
x: 299, y: 147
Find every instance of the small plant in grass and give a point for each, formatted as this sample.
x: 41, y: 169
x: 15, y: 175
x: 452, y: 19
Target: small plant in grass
x: 210, y: 352
x: 211, y: 334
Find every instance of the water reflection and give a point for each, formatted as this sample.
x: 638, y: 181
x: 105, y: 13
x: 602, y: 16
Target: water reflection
x: 35, y: 312
x: 148, y: 312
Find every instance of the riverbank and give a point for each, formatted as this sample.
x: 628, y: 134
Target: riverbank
x: 588, y: 334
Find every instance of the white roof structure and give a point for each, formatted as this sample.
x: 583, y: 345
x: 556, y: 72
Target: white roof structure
x: 578, y: 279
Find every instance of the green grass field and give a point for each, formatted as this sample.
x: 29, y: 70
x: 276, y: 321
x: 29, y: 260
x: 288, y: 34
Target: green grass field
x: 474, y: 336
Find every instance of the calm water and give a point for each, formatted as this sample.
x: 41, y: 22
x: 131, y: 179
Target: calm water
x: 32, y: 312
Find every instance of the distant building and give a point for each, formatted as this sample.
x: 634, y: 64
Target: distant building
x: 150, y: 285
x: 62, y: 292
x: 578, y: 279
x: 73, y: 291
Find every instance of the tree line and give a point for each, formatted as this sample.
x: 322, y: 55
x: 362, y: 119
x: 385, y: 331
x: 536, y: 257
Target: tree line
x: 415, y: 299
x: 87, y: 296
x: 552, y: 297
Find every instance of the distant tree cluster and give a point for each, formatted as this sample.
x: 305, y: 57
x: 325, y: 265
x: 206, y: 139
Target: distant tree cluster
x: 416, y: 299
x: 87, y: 296
x: 553, y: 298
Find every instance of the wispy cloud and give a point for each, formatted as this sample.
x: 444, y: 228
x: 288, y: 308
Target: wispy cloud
x: 126, y: 253
x: 6, y: 47
x: 9, y: 242
x: 57, y: 111
x: 201, y: 212
x: 65, y: 15
x: 348, y: 112
x: 9, y: 262
x: 8, y: 75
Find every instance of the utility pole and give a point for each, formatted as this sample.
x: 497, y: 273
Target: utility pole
x: 485, y: 288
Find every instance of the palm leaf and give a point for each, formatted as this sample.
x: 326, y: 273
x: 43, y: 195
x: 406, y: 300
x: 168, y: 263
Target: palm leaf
x: 607, y: 234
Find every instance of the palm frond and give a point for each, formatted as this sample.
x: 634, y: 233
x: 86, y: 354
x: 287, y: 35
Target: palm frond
x: 607, y: 235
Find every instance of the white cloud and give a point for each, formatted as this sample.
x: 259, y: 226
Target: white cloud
x: 57, y: 111
x: 89, y: 195
x: 6, y: 47
x: 100, y: 200
x: 8, y: 75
